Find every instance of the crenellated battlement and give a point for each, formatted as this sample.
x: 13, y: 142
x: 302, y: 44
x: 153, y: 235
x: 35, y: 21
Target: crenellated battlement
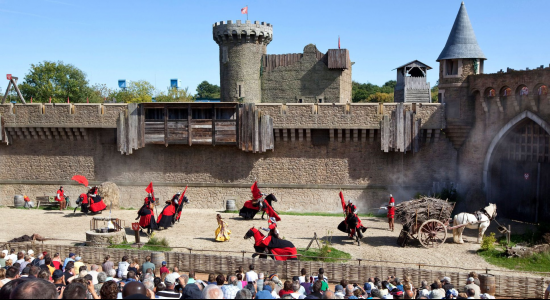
x: 62, y: 115
x: 239, y: 32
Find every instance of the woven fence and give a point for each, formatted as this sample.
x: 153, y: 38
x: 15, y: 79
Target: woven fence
x: 506, y: 286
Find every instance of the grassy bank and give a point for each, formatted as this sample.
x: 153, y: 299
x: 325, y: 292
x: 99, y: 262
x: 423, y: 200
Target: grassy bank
x: 154, y: 244
x: 332, y: 255
x: 494, y: 252
x: 535, y: 263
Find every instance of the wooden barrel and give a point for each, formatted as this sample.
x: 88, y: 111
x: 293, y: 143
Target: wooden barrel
x: 230, y: 205
x: 157, y: 258
x: 18, y: 201
x: 488, y: 284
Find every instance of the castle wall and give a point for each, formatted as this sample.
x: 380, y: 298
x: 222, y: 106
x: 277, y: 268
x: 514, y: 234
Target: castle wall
x: 299, y: 172
x: 491, y: 114
x: 308, y: 79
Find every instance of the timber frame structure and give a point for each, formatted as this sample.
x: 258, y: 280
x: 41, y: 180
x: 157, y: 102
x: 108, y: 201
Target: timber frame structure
x: 13, y: 81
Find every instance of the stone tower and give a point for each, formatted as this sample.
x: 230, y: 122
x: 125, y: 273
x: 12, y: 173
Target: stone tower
x: 242, y: 46
x: 460, y: 58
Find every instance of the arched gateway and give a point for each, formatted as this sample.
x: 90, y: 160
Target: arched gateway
x: 516, y: 171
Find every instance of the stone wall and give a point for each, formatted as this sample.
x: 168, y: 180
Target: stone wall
x: 490, y: 115
x: 62, y: 115
x: 355, y: 116
x: 298, y: 172
x: 309, y: 79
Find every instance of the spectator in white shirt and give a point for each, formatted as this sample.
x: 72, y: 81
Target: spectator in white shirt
x: 251, y: 276
x: 94, y: 273
x: 123, y: 268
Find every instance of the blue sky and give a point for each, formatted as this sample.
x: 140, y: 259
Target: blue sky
x: 162, y: 39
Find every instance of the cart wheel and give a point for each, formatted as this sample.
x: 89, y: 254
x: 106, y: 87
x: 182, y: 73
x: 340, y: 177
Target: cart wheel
x: 432, y: 234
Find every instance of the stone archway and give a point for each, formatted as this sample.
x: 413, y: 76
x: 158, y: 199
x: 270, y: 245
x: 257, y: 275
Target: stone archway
x: 503, y: 166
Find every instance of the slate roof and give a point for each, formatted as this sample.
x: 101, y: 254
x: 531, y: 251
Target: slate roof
x: 417, y: 61
x: 462, y: 42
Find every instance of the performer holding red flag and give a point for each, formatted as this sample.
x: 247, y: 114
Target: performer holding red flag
x: 183, y: 200
x: 96, y: 202
x: 166, y: 217
x: 352, y: 225
x: 252, y: 207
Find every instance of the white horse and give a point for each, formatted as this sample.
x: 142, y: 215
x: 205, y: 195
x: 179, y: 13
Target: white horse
x: 479, y: 220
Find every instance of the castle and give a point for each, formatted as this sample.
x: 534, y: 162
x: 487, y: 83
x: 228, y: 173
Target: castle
x: 249, y: 74
x: 287, y: 121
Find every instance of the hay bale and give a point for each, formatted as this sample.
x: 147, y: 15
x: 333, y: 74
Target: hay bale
x: 110, y: 193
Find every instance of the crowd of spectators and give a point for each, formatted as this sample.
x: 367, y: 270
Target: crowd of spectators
x: 24, y: 276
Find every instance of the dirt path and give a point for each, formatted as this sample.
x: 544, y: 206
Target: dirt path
x: 197, y: 227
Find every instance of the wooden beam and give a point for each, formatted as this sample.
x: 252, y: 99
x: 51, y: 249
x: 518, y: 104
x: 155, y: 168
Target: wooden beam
x: 165, y: 126
x: 14, y: 80
x: 189, y: 120
x: 213, y: 125
x: 6, y: 94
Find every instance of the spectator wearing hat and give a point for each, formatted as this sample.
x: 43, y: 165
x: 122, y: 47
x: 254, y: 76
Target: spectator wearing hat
x: 447, y: 284
x: 71, y: 257
x: 57, y: 277
x: 164, y: 269
x: 78, y: 263
x: 451, y: 294
x: 169, y: 292
x: 471, y: 285
x: 339, y: 291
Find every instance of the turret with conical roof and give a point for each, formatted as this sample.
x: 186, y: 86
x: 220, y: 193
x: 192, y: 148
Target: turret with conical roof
x: 460, y: 58
x: 462, y: 42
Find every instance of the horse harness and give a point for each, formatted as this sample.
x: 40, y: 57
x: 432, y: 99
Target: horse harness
x: 478, y: 215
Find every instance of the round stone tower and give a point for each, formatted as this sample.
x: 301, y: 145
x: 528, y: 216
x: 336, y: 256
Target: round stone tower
x: 242, y: 46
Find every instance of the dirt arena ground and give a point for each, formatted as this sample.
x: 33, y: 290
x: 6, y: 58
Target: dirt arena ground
x: 196, y: 231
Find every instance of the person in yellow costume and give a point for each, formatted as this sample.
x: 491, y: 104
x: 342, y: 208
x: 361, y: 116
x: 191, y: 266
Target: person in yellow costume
x: 223, y: 232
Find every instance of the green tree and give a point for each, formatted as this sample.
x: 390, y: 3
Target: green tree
x: 435, y: 93
x: 100, y: 92
x: 208, y: 91
x: 380, y: 97
x: 137, y: 92
x: 56, y: 80
x: 175, y: 95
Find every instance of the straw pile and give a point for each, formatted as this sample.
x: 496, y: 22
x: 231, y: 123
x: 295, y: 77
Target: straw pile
x: 423, y: 209
x: 110, y: 193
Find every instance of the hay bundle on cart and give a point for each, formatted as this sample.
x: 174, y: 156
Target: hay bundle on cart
x: 425, y: 219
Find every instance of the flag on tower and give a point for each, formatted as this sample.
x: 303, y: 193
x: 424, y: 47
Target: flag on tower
x: 244, y: 10
x: 338, y: 42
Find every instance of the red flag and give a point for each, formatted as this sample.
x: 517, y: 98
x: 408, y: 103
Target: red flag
x: 256, y: 194
x: 80, y: 179
x: 338, y: 42
x: 343, y: 201
x: 149, y: 188
x: 244, y: 10
x: 270, y: 212
x: 182, y: 195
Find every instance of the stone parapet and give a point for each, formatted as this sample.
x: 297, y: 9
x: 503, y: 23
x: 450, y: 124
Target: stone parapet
x: 313, y: 116
x: 353, y: 116
x: 62, y: 115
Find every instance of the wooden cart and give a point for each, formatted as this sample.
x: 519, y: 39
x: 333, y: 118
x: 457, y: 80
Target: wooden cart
x: 428, y: 222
